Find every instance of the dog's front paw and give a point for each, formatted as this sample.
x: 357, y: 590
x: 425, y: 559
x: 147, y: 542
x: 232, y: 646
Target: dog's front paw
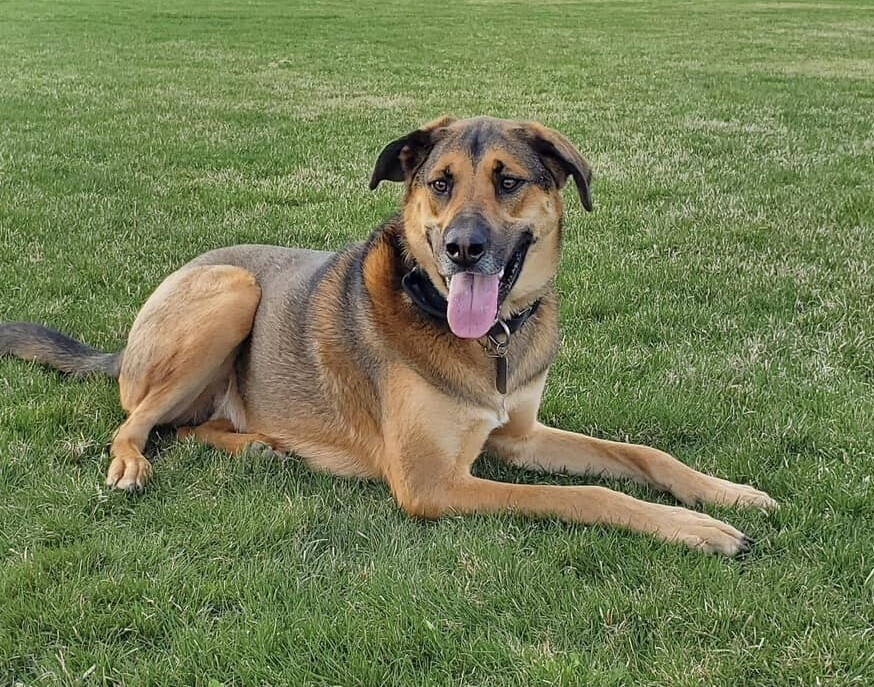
x: 724, y: 493
x: 703, y: 533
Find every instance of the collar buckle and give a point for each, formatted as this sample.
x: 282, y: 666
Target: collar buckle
x: 499, y: 340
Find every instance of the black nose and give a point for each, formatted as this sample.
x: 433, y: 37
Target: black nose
x: 466, y: 241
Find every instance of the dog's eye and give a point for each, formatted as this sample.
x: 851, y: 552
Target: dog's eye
x: 509, y: 183
x: 439, y: 186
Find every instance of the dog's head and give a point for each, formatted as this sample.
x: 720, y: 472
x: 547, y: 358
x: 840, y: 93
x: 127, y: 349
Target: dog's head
x: 483, y: 211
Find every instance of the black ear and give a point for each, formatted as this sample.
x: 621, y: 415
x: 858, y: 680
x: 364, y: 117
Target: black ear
x: 562, y: 159
x: 401, y: 158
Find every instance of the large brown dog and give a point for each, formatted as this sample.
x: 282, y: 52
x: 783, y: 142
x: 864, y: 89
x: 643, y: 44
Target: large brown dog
x: 401, y: 358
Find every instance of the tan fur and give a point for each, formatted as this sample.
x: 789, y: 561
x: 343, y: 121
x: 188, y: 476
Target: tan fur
x: 169, y: 371
x: 392, y: 396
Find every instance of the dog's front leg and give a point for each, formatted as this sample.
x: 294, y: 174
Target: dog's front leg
x: 527, y: 443
x: 431, y: 440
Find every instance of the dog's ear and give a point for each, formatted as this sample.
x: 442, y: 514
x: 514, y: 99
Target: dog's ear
x: 401, y: 158
x: 562, y: 159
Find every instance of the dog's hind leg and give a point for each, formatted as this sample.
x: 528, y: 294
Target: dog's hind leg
x: 181, y: 347
x: 222, y: 435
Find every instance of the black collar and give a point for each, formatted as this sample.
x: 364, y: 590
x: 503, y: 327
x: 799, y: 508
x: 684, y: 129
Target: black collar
x: 423, y: 294
x: 430, y: 301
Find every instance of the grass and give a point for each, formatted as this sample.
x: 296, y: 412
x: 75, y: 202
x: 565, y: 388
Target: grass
x: 718, y: 304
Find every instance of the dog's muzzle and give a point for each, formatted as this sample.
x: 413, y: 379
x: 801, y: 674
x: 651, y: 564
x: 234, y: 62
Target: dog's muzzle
x: 467, y: 240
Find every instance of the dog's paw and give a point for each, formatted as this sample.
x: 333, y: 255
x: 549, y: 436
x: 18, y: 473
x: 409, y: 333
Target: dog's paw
x: 725, y: 493
x: 129, y: 473
x: 721, y: 492
x: 183, y: 433
x: 703, y: 533
x: 258, y: 449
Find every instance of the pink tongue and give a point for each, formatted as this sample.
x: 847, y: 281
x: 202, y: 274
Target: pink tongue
x: 473, y: 304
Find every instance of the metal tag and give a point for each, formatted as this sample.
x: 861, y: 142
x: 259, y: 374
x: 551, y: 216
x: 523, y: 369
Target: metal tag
x: 499, y: 345
x: 501, y: 375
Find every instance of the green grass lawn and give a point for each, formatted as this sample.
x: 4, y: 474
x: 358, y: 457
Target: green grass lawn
x: 719, y: 304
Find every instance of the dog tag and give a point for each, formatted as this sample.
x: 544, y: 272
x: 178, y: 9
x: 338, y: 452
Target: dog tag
x: 501, y: 375
x: 499, y: 346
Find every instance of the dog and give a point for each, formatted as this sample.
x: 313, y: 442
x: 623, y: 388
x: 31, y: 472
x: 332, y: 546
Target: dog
x: 401, y: 358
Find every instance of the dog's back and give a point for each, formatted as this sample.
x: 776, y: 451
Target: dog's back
x: 286, y: 275
x: 276, y: 268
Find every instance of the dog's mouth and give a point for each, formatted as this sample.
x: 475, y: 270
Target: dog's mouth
x: 475, y: 298
x: 513, y: 268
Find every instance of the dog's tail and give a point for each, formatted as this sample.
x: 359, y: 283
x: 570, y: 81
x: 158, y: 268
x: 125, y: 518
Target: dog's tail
x: 46, y: 346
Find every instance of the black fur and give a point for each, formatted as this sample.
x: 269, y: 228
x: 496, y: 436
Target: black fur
x: 400, y: 158
x: 48, y: 347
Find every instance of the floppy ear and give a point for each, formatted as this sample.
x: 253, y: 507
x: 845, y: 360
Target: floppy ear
x: 401, y: 158
x: 562, y: 159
